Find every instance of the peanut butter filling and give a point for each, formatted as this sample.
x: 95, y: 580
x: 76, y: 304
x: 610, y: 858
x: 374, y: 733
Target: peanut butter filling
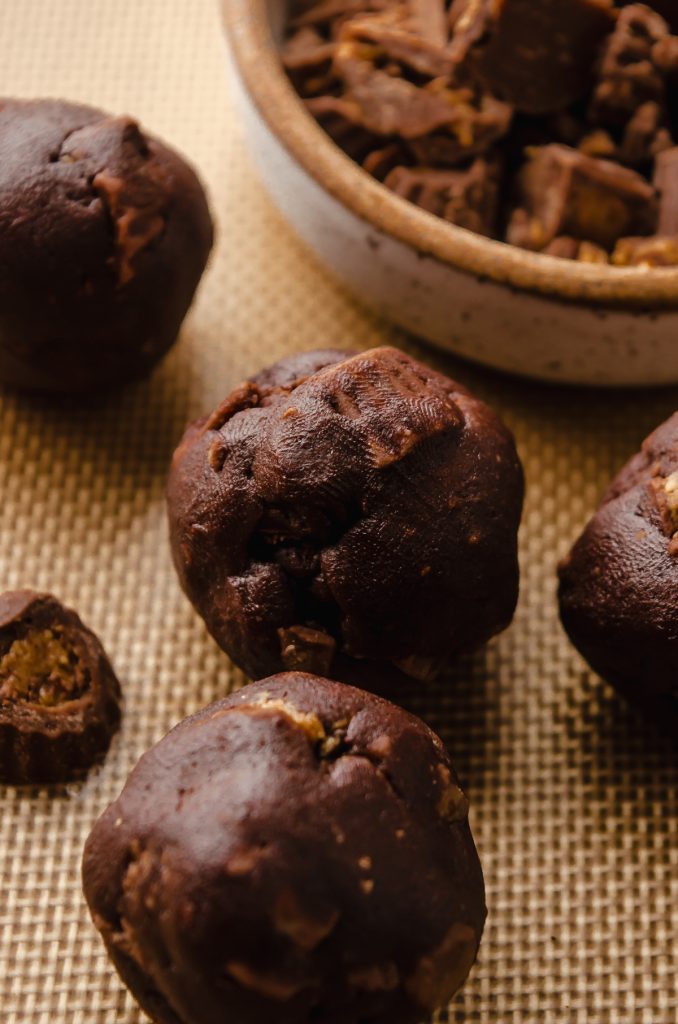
x: 41, y: 668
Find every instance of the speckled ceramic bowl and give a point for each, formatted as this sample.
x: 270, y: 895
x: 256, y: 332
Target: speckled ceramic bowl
x: 514, y: 310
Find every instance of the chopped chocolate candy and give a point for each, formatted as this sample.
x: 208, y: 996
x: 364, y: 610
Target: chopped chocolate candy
x: 59, y: 697
x: 538, y: 56
x: 464, y: 197
x: 656, y: 251
x: 645, y: 136
x: 564, y: 192
x: 481, y: 121
x: 572, y: 249
x: 380, y: 98
x: 543, y: 124
x: 667, y: 8
x: 308, y: 60
x: 393, y: 37
x: 341, y: 120
x: 666, y: 183
x: 628, y: 76
x: 381, y: 161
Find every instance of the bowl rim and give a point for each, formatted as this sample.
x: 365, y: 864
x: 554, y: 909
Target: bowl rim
x: 256, y: 57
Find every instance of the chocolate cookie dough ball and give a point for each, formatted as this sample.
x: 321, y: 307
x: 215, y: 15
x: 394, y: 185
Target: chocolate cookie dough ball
x: 339, y: 508
x: 297, y: 852
x: 619, y: 583
x: 104, y: 235
x: 59, y: 697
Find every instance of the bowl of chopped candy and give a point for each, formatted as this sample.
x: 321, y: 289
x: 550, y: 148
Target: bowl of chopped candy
x: 498, y: 177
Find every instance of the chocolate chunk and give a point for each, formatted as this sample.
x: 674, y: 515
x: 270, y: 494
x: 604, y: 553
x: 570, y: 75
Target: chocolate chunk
x: 645, y: 136
x: 299, y: 851
x: 387, y: 104
x: 303, y: 649
x: 308, y: 61
x: 362, y: 496
x: 380, y: 162
x: 589, y: 252
x: 656, y: 251
x: 331, y: 14
x: 59, y: 697
x: 480, y: 121
x: 642, y: 138
x: 665, y: 57
x: 563, y: 247
x: 619, y: 582
x: 628, y: 76
x: 667, y: 9
x: 394, y: 36
x: 564, y: 192
x: 464, y: 197
x: 666, y: 183
x: 539, y: 57
x: 104, y: 235
x: 570, y: 101
x: 574, y: 249
x: 342, y: 121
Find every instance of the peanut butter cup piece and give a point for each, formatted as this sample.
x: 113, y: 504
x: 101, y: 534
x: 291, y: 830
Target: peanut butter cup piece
x: 628, y: 74
x: 540, y: 57
x: 299, y: 851
x: 468, y: 196
x: 348, y: 507
x: 563, y: 192
x: 618, y: 585
x: 59, y: 696
x: 104, y: 235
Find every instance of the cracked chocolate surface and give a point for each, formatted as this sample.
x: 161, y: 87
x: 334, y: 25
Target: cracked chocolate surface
x: 104, y: 235
x: 343, y: 509
x: 243, y: 874
x: 59, y: 697
x: 618, y: 584
x: 458, y: 106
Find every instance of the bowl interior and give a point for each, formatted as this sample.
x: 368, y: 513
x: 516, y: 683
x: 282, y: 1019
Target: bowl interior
x: 256, y: 28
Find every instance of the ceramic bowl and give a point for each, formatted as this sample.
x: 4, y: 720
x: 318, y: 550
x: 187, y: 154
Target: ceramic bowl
x: 517, y: 311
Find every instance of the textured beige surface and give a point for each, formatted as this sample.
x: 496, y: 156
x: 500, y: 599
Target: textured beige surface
x: 574, y: 803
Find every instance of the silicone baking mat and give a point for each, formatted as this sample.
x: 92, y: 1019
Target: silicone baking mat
x: 574, y: 801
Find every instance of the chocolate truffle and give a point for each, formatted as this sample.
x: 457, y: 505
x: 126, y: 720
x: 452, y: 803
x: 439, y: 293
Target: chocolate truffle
x: 59, y: 697
x: 619, y: 583
x: 299, y: 851
x: 104, y: 235
x: 341, y: 507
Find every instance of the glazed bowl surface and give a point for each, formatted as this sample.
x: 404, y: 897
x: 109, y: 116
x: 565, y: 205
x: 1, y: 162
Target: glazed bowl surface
x: 517, y: 311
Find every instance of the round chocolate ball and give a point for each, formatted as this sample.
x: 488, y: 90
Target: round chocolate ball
x: 297, y: 852
x: 104, y: 235
x: 619, y: 583
x: 340, y: 508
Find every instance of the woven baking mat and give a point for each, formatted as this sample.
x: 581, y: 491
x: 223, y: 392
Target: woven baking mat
x: 574, y: 800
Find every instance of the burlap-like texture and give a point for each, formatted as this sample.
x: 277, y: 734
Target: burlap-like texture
x: 574, y: 800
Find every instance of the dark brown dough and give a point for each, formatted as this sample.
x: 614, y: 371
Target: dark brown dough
x: 619, y: 583
x: 104, y: 235
x: 59, y: 697
x: 362, y: 505
x: 297, y: 852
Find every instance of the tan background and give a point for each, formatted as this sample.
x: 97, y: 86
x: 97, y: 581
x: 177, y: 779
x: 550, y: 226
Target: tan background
x: 574, y: 801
